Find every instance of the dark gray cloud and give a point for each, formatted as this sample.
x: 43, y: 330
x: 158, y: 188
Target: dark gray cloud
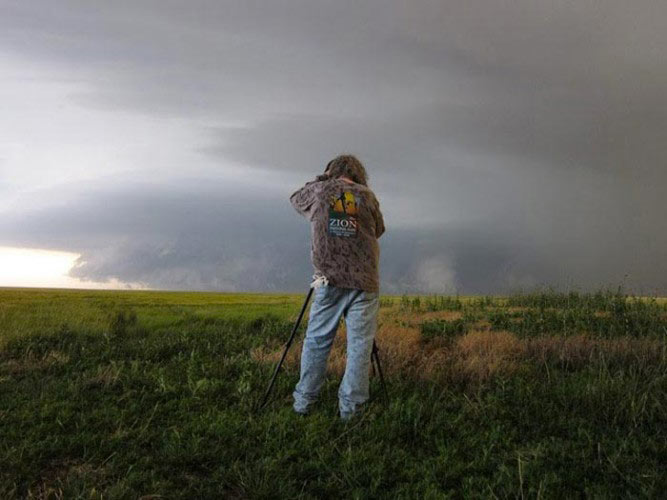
x: 201, y: 235
x: 206, y: 235
x: 510, y: 145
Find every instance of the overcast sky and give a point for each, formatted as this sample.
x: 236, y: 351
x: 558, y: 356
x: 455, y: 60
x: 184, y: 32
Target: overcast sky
x: 511, y: 144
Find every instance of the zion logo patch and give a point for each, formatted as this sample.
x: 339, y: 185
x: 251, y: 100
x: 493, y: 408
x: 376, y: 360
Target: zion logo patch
x: 343, y: 215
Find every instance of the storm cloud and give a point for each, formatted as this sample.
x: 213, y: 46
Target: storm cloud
x: 510, y: 145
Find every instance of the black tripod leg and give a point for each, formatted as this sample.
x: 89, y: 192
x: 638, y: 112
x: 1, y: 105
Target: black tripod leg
x: 376, y: 356
x: 287, y: 346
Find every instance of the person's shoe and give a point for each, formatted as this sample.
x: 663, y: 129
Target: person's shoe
x: 301, y: 411
x: 347, y: 417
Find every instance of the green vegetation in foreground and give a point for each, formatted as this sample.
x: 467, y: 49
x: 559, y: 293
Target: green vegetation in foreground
x: 124, y: 394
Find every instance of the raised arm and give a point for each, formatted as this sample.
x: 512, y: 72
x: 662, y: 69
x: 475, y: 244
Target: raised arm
x: 303, y: 199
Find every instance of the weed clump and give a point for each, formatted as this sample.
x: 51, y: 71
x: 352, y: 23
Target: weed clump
x: 482, y: 355
x: 432, y: 303
x: 443, y: 328
x: 121, y: 321
x: 386, y: 302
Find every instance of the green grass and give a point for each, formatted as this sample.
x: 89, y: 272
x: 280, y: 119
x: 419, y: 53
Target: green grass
x: 123, y: 394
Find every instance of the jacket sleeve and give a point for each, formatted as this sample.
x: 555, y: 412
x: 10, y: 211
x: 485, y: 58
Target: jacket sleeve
x: 379, y: 220
x: 303, y: 200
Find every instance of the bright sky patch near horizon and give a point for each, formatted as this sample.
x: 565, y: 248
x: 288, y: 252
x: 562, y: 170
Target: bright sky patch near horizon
x: 29, y: 267
x: 511, y: 145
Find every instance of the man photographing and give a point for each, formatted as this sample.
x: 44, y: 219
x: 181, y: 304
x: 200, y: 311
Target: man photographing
x: 345, y: 224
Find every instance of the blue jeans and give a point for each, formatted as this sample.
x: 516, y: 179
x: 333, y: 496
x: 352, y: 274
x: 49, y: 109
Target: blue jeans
x: 329, y: 304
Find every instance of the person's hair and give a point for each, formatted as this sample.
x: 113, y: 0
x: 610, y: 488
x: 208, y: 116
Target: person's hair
x: 347, y: 166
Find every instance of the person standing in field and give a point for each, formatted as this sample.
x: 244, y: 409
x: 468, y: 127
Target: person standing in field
x: 345, y: 224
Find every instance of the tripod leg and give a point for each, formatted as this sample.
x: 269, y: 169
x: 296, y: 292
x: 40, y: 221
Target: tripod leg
x: 376, y: 356
x: 287, y: 346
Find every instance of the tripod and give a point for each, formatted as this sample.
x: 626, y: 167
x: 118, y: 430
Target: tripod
x: 375, y: 356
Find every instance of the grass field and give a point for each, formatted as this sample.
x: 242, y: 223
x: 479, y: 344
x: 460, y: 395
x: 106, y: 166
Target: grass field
x: 152, y: 394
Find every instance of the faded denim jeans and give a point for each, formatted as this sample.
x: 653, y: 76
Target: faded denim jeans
x: 329, y: 304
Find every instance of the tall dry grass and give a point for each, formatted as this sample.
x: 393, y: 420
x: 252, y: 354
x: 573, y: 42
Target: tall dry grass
x: 476, y: 356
